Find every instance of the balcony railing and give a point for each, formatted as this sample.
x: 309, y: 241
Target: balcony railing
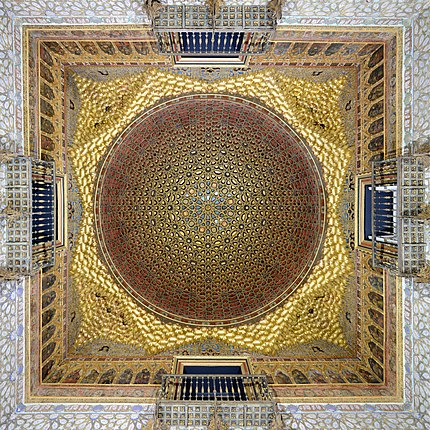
x: 201, y: 31
x: 194, y: 401
x: 398, y: 194
x: 27, y: 213
x: 215, y: 387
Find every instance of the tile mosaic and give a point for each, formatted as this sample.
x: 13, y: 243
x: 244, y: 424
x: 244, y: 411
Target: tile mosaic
x: 15, y: 415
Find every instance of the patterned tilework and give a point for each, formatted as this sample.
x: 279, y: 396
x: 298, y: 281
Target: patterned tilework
x: 14, y: 415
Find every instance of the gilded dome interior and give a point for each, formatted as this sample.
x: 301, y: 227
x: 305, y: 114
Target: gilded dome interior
x: 209, y: 210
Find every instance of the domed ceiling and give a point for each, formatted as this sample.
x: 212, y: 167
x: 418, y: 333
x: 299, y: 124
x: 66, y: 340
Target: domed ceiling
x: 69, y: 339
x: 209, y: 210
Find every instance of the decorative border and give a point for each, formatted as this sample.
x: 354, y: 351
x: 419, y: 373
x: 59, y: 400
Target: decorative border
x: 412, y: 414
x: 363, y: 52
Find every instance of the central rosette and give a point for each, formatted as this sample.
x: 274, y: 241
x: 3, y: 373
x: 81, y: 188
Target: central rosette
x: 209, y: 210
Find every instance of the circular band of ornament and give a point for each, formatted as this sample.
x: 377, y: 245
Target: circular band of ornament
x: 209, y: 210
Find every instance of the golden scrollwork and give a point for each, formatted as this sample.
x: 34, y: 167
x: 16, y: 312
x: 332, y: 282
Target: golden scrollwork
x: 312, y: 109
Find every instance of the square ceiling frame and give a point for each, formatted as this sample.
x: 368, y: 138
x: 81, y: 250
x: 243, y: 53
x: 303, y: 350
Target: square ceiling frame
x: 13, y: 302
x: 54, y: 372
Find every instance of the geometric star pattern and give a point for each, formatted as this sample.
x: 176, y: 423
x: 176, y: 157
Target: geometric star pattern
x: 209, y: 210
